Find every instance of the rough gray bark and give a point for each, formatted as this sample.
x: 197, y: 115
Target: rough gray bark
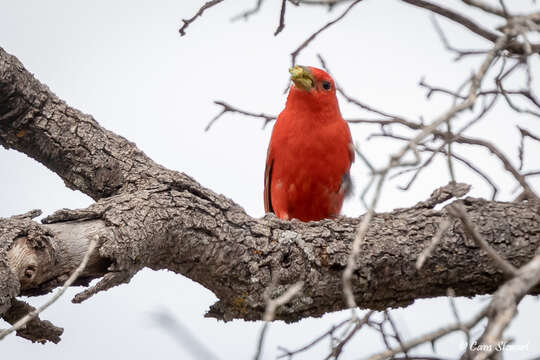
x: 149, y: 216
x: 36, y: 330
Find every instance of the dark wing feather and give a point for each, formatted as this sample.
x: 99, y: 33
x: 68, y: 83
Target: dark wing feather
x: 267, y: 185
x: 346, y: 180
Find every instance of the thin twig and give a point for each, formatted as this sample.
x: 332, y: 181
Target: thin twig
x: 485, y: 7
x: 359, y: 323
x: 506, y: 93
x: 459, y: 53
x: 281, y: 25
x: 505, y: 11
x: 521, y: 148
x: 246, y: 14
x: 187, y: 22
x: 450, y: 138
x: 451, y: 295
x: 458, y: 210
x: 445, y: 224
x: 396, y: 333
x: 289, y: 353
x: 511, y: 45
x: 430, y: 337
x: 270, y: 311
x: 532, y: 173
x: 329, y: 3
x: 449, y: 154
x: 228, y: 108
x: 260, y: 341
x: 464, y: 161
x: 503, y: 307
x: 273, y: 304
x: 456, y: 17
x: 306, y: 42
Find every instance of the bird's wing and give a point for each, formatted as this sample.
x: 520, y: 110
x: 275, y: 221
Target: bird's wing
x: 346, y: 180
x: 351, y: 151
x: 267, y: 183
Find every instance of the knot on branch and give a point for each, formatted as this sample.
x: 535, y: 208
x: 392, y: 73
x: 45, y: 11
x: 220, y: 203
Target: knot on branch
x: 444, y: 193
x: 26, y: 251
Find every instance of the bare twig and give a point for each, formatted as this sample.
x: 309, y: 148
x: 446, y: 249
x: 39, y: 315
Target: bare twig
x: 187, y: 22
x: 260, y: 342
x: 505, y: 11
x: 372, y: 178
x: 451, y: 295
x: 511, y: 45
x: 228, y: 108
x: 355, y: 249
x: 449, y: 154
x: 302, y: 46
x: 434, y: 242
x: 462, y: 140
x: 184, y: 336
x: 532, y: 173
x: 246, y: 14
x: 486, y: 7
x: 506, y: 163
x: 396, y: 332
x: 459, y: 53
x: 506, y: 93
x: 456, y: 17
x: 450, y: 138
x: 433, y: 89
x: 339, y: 89
x: 270, y: 311
x: 329, y: 3
x: 425, y: 148
x: 521, y: 149
x: 503, y: 307
x: 330, y: 332
x: 358, y: 324
x: 457, y: 210
x: 430, y: 337
x: 281, y: 25
x: 273, y: 304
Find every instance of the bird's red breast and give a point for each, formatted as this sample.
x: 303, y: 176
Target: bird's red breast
x: 310, y: 151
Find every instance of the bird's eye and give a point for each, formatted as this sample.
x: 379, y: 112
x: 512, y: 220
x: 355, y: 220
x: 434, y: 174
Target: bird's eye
x: 326, y: 85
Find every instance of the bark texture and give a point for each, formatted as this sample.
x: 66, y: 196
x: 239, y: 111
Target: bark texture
x: 149, y: 216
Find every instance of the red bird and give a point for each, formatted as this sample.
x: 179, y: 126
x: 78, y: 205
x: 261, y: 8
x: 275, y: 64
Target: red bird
x: 310, y: 152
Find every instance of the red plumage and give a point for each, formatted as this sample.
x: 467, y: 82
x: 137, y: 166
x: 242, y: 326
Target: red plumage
x: 310, y: 151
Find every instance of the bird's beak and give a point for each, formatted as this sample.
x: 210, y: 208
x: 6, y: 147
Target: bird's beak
x: 302, y: 77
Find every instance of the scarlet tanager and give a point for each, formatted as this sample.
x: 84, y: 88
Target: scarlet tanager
x: 310, y: 152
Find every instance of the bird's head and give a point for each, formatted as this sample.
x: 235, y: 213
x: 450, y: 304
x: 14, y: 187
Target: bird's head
x: 313, y: 86
x: 312, y: 80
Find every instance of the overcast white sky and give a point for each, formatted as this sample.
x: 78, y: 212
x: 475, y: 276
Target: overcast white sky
x: 124, y: 63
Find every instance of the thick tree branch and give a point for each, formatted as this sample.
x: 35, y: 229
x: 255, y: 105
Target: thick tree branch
x: 235, y: 256
x: 71, y: 144
x: 161, y: 219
